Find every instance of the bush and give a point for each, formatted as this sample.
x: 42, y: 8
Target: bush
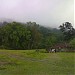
x: 2, y: 47
x: 72, y: 43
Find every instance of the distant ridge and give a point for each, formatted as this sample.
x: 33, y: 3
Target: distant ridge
x: 6, y: 20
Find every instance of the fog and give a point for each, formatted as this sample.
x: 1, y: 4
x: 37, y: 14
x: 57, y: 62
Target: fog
x: 50, y: 13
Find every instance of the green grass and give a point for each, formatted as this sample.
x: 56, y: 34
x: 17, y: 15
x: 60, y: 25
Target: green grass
x: 29, y: 62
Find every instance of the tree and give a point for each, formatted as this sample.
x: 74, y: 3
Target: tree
x: 68, y: 31
x: 0, y: 36
x: 35, y: 34
x: 72, y: 43
x: 51, y: 40
x: 28, y: 35
x: 15, y: 36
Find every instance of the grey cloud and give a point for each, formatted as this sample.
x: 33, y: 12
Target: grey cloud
x: 45, y: 12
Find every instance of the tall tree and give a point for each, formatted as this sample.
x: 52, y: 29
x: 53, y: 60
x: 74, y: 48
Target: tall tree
x: 67, y: 30
x: 35, y: 34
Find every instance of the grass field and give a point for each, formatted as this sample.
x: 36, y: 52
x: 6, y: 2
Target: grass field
x: 24, y: 62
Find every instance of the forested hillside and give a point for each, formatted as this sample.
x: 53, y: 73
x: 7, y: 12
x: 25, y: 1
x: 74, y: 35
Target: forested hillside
x: 30, y: 35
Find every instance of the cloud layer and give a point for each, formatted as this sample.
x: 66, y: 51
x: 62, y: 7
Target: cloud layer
x: 45, y: 12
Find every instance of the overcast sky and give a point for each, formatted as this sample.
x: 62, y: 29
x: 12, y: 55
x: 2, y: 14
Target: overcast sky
x: 45, y: 12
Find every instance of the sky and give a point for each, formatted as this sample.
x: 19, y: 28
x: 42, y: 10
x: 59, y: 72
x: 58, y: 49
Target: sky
x: 51, y: 13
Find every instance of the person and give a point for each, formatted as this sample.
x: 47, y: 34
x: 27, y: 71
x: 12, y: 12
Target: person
x: 55, y: 50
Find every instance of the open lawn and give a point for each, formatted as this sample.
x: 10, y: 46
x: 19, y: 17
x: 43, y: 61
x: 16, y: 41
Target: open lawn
x: 30, y: 62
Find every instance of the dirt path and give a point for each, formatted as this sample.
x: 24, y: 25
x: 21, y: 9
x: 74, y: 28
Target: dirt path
x: 51, y: 56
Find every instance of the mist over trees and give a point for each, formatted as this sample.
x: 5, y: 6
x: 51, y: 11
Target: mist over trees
x: 30, y: 35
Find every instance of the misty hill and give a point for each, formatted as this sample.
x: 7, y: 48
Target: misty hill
x: 29, y: 35
x: 5, y: 20
x: 42, y: 29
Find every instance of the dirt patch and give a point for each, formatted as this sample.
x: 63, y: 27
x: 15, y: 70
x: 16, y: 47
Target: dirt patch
x: 8, y: 63
x: 3, y: 63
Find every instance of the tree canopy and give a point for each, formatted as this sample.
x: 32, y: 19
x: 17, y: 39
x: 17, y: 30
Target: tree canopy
x: 68, y: 30
x: 30, y: 35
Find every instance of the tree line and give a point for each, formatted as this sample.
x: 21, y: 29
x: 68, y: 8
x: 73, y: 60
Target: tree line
x: 16, y: 35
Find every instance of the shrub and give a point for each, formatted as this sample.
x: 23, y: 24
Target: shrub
x: 72, y: 43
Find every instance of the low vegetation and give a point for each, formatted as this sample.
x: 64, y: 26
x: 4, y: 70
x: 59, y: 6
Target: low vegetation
x: 30, y: 62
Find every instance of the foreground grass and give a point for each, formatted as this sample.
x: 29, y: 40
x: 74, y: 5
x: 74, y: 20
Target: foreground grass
x: 29, y: 62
